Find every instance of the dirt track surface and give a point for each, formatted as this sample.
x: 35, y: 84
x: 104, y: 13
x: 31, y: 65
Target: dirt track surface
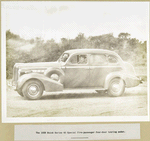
x: 79, y: 103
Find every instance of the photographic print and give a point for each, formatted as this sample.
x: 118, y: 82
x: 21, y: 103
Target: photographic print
x: 75, y: 61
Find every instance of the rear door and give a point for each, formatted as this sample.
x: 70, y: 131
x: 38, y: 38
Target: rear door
x: 100, y: 66
x: 98, y: 69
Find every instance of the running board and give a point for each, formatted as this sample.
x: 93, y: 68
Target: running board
x: 95, y: 88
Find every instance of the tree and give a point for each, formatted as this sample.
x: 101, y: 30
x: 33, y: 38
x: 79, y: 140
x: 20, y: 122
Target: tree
x: 80, y: 37
x: 31, y: 41
x: 64, y: 40
x: 123, y: 35
x: 10, y: 35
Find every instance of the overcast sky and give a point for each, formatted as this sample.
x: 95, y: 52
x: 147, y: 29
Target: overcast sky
x: 67, y: 19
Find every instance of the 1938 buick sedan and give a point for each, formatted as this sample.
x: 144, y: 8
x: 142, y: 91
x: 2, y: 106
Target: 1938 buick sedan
x: 94, y: 69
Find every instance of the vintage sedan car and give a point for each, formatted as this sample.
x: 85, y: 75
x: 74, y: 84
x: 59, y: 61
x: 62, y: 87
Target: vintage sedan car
x: 95, y: 69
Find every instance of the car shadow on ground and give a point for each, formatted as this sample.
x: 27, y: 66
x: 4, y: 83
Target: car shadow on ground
x: 73, y: 95
x: 102, y: 94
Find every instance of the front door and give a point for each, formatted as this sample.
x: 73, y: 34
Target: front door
x: 77, y: 72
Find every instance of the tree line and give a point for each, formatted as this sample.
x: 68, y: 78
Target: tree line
x: 130, y: 49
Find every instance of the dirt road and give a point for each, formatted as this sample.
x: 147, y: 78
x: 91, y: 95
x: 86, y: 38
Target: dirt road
x: 77, y: 103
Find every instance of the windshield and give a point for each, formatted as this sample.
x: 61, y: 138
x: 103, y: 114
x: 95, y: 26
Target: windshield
x: 63, y: 58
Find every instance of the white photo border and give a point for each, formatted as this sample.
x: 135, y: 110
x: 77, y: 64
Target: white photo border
x: 6, y: 119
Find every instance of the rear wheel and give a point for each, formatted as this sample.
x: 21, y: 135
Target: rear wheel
x: 116, y: 87
x: 33, y: 89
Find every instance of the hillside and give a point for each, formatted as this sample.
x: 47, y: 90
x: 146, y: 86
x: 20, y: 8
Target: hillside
x: 37, y: 50
x: 19, y: 45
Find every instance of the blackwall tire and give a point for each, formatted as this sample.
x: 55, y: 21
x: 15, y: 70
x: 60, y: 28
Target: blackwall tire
x: 33, y: 89
x: 116, y: 87
x: 60, y: 75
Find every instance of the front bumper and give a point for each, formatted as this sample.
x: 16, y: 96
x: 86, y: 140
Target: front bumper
x: 14, y: 85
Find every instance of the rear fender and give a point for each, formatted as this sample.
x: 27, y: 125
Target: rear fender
x: 49, y: 84
x: 129, y: 80
x: 112, y: 76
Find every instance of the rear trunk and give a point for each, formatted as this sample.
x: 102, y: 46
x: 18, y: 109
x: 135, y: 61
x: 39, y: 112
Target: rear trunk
x: 129, y: 69
x: 131, y: 79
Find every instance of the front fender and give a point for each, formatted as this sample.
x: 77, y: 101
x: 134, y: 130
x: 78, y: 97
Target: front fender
x: 49, y: 84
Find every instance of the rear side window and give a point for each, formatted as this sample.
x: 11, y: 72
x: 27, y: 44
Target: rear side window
x: 98, y: 60
x: 112, y: 59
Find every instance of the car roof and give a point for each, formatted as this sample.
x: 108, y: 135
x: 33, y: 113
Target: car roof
x: 91, y: 51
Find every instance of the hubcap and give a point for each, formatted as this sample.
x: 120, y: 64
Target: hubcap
x: 33, y: 90
x: 116, y: 86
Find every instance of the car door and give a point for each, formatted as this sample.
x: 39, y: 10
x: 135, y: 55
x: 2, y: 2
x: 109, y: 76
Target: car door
x: 98, y: 69
x: 77, y: 71
x: 100, y: 66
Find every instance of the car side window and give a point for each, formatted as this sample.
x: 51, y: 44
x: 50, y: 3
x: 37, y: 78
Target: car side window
x: 78, y: 59
x: 98, y: 60
x: 112, y: 59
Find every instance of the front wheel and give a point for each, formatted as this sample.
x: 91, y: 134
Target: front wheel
x: 116, y: 87
x: 33, y: 89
